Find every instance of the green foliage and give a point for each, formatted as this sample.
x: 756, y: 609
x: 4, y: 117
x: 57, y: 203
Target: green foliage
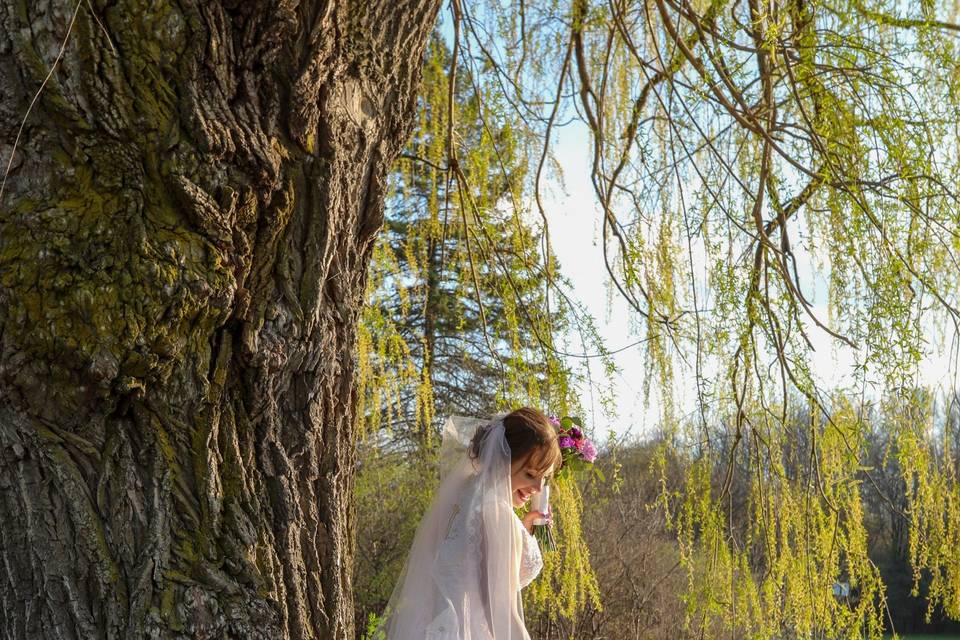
x: 458, y: 321
x: 768, y: 174
x: 567, y: 583
x: 392, y: 493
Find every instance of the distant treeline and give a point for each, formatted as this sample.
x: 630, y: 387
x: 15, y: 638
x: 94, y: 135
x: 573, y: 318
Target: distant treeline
x: 633, y: 552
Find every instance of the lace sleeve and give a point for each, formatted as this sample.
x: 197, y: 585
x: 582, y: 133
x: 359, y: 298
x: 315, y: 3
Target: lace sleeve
x: 531, y: 561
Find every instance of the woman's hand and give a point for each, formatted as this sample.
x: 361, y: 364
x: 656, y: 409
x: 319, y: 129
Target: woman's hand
x: 530, y: 516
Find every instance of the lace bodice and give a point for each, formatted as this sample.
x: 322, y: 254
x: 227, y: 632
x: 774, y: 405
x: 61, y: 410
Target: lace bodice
x: 468, y: 528
x: 458, y: 568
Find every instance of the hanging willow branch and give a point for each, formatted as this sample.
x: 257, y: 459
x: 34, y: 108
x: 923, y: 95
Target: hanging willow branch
x: 769, y: 177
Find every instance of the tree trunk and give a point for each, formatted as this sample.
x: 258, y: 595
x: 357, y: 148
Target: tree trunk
x: 184, y: 236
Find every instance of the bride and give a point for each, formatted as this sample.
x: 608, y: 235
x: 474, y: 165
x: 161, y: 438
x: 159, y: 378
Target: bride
x: 471, y: 554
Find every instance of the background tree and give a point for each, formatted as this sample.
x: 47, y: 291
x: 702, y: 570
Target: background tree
x: 457, y: 322
x: 638, y: 565
x: 185, y: 227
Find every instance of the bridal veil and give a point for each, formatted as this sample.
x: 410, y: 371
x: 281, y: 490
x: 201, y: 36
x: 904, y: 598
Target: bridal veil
x: 461, y: 577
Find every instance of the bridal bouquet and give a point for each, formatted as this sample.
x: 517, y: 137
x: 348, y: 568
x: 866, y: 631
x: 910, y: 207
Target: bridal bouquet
x: 577, y: 450
x: 578, y: 454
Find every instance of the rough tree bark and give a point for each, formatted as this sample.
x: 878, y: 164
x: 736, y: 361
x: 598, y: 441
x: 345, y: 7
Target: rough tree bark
x: 184, y: 237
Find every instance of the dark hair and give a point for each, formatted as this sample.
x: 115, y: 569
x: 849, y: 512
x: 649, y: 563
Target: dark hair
x: 530, y: 436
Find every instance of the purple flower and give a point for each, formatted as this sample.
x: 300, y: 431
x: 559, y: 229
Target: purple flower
x: 588, y: 451
x: 566, y: 442
x: 554, y: 420
x: 575, y: 433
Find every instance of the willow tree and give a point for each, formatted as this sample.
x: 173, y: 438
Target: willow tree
x: 769, y: 176
x: 191, y: 198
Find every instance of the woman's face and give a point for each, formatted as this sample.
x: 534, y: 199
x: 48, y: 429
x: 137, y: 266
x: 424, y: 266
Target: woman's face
x: 525, y: 480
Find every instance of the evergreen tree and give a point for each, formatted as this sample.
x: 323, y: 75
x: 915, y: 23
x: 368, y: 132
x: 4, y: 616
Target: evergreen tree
x: 457, y: 322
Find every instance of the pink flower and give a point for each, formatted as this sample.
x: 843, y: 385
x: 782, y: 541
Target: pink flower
x: 588, y: 451
x: 554, y: 420
x: 566, y: 442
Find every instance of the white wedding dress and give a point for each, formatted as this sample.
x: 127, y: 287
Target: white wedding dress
x: 471, y: 554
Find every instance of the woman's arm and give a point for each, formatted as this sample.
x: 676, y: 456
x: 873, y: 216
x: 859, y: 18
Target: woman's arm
x: 532, y: 516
